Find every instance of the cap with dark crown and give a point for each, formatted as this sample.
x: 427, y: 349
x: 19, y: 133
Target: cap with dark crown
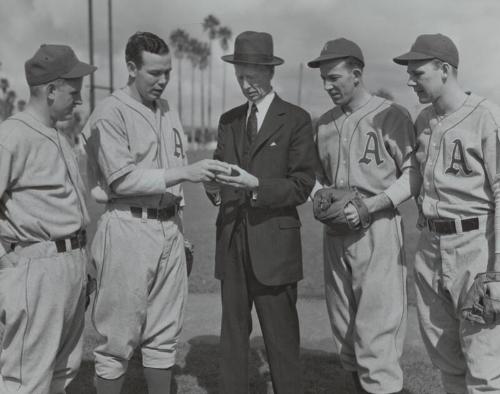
x: 337, y: 49
x: 51, y: 62
x: 431, y: 46
x: 251, y: 47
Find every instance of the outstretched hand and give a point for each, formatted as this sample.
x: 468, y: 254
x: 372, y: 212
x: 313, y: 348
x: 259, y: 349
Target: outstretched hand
x: 205, y: 170
x: 243, y: 179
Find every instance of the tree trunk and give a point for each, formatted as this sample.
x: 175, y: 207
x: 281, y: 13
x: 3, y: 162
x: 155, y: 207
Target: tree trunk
x: 223, y: 87
x: 179, y: 92
x: 210, y: 86
x: 202, y: 104
x: 192, y: 102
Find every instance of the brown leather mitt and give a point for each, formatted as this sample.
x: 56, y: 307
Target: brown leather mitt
x: 329, y: 206
x: 479, y: 305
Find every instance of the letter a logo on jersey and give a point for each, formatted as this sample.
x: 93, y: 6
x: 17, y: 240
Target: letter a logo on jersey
x: 458, y: 158
x: 179, y: 150
x: 371, y: 148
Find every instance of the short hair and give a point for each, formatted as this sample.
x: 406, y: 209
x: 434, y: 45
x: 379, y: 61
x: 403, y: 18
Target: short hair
x: 352, y: 62
x: 36, y: 90
x: 144, y: 42
x: 437, y: 63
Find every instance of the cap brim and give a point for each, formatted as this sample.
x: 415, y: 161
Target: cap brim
x: 276, y: 61
x: 411, y: 56
x: 325, y: 58
x: 80, y: 70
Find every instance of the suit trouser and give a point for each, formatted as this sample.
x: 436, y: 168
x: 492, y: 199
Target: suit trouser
x: 42, y: 304
x: 277, y: 313
x: 467, y: 354
x: 365, y: 290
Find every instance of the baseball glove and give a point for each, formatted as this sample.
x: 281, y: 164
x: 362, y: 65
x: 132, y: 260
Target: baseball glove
x: 189, y: 249
x: 479, y: 305
x: 329, y: 206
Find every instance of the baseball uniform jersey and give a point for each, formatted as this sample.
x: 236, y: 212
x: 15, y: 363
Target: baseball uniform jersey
x: 370, y: 149
x: 458, y: 159
x: 42, y: 286
x: 142, y: 281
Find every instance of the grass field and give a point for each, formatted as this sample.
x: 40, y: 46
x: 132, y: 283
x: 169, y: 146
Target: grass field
x: 199, y: 222
x: 197, y: 362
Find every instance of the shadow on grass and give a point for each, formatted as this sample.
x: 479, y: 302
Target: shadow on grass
x: 197, y: 371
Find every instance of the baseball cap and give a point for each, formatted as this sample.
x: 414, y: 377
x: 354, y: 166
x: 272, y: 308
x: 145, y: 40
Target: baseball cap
x: 337, y: 49
x: 431, y: 46
x: 51, y: 62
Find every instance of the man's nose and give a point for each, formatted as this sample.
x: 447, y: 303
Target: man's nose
x: 411, y: 82
x: 327, y: 85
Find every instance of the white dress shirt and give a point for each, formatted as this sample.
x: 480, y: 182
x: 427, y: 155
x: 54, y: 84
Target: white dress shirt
x: 262, y: 106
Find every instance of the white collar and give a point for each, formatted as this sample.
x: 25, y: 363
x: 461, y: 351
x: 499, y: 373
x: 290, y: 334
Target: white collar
x: 263, y: 104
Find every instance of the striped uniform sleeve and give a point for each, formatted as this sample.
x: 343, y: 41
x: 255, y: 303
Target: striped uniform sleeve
x: 6, y: 158
x: 399, y: 135
x: 110, y: 147
x: 491, y: 149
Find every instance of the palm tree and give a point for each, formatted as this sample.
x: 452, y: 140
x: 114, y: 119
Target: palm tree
x: 224, y: 35
x: 210, y: 24
x: 179, y: 40
x: 194, y: 49
x: 203, y: 63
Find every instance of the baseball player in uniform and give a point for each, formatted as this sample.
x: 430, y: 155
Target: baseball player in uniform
x: 457, y: 138
x: 42, y: 232
x: 365, y: 142
x: 138, y: 146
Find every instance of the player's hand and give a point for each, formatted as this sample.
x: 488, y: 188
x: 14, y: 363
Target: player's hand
x: 243, y: 179
x: 99, y: 194
x: 9, y: 260
x: 204, y: 170
x: 352, y: 215
x: 493, y: 290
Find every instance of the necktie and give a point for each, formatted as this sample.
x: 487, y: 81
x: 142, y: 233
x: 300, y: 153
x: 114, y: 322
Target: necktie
x: 252, y: 125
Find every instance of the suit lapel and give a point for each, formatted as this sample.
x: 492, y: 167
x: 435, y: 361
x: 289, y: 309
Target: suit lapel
x: 273, y: 121
x: 238, y: 128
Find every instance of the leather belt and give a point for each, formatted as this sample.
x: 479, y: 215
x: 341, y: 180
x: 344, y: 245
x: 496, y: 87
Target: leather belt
x: 449, y: 226
x: 154, y: 213
x: 76, y: 241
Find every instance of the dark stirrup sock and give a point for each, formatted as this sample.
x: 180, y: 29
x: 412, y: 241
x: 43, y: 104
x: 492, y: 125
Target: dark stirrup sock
x: 159, y: 380
x: 108, y: 386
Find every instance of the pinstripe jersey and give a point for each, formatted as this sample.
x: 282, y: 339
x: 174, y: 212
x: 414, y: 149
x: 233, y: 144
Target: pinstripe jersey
x: 457, y: 156
x: 41, y: 190
x: 369, y: 149
x: 127, y: 139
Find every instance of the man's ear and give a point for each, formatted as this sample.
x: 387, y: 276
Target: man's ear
x: 132, y: 69
x: 357, y: 75
x: 446, y: 70
x: 50, y: 90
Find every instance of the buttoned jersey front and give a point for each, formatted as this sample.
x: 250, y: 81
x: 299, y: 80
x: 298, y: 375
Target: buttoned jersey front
x: 457, y: 155
x: 368, y: 149
x: 42, y: 192
x: 126, y: 138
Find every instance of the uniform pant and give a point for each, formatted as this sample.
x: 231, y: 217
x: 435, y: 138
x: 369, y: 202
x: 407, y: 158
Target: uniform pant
x: 42, y: 304
x: 365, y: 289
x: 468, y: 355
x: 141, y: 291
x: 277, y: 313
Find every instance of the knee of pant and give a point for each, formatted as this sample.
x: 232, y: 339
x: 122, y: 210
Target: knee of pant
x: 110, y: 368
x: 161, y: 358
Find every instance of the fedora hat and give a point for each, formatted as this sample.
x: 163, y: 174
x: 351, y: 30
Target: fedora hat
x: 251, y: 47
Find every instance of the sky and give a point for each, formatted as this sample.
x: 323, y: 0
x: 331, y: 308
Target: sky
x: 382, y: 28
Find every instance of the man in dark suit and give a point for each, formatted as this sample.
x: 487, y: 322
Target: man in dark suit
x: 269, y: 146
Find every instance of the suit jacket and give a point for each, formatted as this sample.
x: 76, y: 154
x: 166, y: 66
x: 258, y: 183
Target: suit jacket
x: 283, y: 158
